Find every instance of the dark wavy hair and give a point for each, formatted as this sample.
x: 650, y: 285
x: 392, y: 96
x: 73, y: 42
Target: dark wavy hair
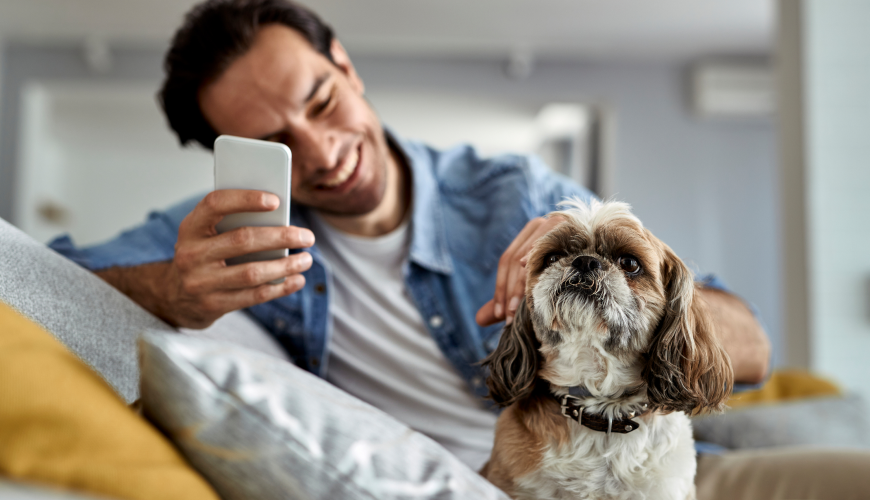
x: 214, y: 34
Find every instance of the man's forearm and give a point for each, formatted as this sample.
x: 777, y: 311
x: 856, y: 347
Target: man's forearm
x: 142, y: 285
x: 741, y: 335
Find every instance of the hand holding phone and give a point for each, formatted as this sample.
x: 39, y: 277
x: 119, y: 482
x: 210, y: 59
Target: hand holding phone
x: 241, y: 163
x: 250, y: 210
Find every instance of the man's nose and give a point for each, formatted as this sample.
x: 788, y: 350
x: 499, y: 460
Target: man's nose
x: 586, y: 264
x: 318, y: 148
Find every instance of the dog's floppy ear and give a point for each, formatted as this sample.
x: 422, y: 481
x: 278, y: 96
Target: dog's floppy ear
x: 686, y: 369
x: 513, y: 365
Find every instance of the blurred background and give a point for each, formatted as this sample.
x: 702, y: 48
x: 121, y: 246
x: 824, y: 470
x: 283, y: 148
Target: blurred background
x: 738, y: 129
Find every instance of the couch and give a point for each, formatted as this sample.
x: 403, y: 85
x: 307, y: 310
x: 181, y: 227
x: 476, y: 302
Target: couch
x: 222, y: 416
x: 228, y: 416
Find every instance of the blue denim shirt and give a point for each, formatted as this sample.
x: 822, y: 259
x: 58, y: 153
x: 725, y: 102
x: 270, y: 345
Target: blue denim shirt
x: 466, y: 210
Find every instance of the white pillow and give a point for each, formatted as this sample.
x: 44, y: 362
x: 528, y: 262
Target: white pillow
x: 259, y: 427
x: 239, y: 328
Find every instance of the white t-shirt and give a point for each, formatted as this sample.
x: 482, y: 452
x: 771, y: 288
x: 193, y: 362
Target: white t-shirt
x: 382, y: 353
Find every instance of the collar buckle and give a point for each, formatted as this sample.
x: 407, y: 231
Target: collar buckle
x: 571, y: 407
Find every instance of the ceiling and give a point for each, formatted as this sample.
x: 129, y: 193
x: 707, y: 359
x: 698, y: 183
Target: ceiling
x: 577, y: 29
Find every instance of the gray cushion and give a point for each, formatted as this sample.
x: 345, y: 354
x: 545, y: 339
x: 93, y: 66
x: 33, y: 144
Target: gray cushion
x: 259, y: 427
x: 91, y: 318
x: 826, y: 421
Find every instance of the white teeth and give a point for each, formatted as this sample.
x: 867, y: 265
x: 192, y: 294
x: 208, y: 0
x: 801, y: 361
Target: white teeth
x: 346, y: 170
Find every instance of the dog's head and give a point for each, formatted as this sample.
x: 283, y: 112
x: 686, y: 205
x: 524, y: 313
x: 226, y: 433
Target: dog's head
x: 608, y: 306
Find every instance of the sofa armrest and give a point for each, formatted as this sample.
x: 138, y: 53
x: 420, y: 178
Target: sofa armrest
x: 95, y: 321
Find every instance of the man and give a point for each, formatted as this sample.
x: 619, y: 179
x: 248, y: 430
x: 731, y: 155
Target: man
x: 397, y: 294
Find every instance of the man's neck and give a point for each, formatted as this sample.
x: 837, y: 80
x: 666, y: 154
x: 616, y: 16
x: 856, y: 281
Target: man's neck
x: 390, y: 213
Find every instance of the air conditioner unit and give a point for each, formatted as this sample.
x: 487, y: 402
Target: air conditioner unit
x: 733, y: 90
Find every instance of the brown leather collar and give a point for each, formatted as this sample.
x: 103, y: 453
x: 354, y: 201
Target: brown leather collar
x: 573, y: 409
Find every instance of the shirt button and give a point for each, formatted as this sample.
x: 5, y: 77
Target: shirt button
x: 280, y: 324
x: 436, y: 321
x: 476, y: 381
x: 314, y: 362
x: 320, y: 288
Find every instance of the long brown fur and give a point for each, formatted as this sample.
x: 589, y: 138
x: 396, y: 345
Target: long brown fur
x: 687, y: 370
x: 513, y: 365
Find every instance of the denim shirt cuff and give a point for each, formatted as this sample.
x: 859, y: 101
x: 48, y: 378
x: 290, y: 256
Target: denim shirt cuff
x: 65, y: 246
x: 153, y: 241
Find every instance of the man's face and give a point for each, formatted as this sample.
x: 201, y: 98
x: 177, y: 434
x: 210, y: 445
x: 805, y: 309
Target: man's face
x: 283, y: 90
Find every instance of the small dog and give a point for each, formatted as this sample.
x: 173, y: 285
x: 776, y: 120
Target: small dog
x: 608, y: 352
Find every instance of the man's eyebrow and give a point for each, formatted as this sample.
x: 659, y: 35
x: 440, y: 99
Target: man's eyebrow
x: 314, y: 88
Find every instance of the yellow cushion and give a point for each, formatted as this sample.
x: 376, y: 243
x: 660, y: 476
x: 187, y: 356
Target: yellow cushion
x: 61, y: 424
x: 785, y: 385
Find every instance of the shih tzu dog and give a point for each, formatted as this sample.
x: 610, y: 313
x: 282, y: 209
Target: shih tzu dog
x: 608, y: 353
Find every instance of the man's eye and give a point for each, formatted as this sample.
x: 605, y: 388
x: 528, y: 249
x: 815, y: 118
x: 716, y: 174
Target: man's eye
x: 629, y: 264
x: 551, y: 259
x: 320, y: 108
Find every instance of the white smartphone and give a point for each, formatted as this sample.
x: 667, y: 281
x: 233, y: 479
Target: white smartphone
x: 241, y: 163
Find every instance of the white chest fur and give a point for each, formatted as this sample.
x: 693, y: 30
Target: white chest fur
x: 656, y: 462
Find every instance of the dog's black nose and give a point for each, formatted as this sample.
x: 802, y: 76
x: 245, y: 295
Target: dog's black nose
x: 586, y: 264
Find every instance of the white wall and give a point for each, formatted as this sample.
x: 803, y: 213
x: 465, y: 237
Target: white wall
x: 103, y: 155
x: 836, y: 72
x: 443, y: 119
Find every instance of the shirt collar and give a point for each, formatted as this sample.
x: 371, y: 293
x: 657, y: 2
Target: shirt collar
x: 428, y: 236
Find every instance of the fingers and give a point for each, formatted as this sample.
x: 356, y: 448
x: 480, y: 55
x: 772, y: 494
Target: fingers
x: 508, y: 258
x: 516, y: 281
x: 245, y: 240
x: 511, y: 276
x: 217, y: 204
x: 259, y: 273
x: 245, y: 276
x: 193, y: 253
x: 222, y: 302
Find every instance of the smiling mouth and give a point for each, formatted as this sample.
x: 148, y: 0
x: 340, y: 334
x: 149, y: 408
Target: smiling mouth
x: 345, y: 174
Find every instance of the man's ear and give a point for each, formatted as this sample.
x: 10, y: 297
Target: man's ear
x: 513, y: 365
x: 342, y: 60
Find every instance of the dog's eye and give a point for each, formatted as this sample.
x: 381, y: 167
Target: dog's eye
x: 551, y: 259
x: 629, y: 264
